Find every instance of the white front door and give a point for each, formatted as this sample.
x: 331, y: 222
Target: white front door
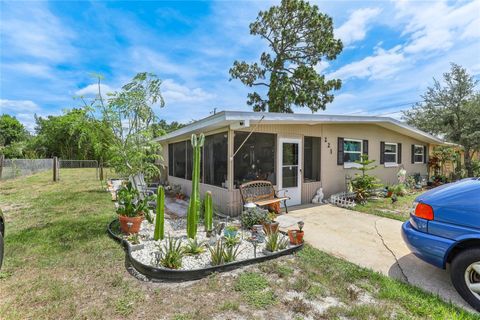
x: 289, y: 169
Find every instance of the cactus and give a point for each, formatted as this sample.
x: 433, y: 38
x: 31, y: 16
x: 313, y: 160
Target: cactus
x: 208, y: 218
x: 160, y: 219
x: 195, y: 205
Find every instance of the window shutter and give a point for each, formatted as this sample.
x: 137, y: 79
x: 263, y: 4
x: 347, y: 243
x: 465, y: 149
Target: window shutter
x: 424, y: 154
x: 399, y: 153
x: 340, y: 151
x: 382, y: 152
x: 413, y: 153
x: 365, y: 147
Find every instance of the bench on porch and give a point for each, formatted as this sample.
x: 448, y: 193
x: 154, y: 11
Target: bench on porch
x: 261, y: 193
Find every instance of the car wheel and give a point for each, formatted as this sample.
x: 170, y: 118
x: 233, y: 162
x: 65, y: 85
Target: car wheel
x: 465, y: 275
x: 1, y: 250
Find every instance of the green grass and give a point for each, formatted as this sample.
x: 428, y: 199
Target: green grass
x: 384, y: 207
x: 60, y: 264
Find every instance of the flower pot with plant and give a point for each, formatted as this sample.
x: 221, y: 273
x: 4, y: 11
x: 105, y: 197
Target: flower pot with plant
x: 230, y: 231
x: 296, y: 236
x: 131, y: 209
x: 390, y: 190
x: 269, y: 224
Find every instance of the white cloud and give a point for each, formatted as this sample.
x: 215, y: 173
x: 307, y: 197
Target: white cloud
x: 356, y: 26
x: 32, y: 30
x: 17, y: 106
x: 173, y: 92
x: 30, y: 69
x: 92, y: 90
x: 383, y: 64
x: 436, y: 26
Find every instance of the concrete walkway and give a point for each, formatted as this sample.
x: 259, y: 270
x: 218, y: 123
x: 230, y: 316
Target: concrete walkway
x: 369, y: 241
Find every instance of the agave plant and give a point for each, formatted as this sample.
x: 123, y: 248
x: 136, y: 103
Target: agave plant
x: 172, y: 253
x: 216, y: 254
x: 275, y: 241
x: 194, y: 247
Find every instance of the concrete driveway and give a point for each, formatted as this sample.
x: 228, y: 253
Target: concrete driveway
x: 372, y: 242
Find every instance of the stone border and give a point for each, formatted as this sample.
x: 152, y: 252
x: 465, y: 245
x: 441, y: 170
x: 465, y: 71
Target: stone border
x: 185, y: 275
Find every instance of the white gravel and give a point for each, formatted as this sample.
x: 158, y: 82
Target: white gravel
x: 177, y: 229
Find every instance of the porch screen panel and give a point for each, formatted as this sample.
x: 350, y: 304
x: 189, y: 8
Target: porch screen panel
x: 215, y: 153
x: 311, y: 159
x: 256, y: 159
x: 180, y: 159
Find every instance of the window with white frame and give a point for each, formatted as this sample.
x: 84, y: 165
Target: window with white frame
x: 391, y: 152
x: 418, y: 154
x: 352, y: 150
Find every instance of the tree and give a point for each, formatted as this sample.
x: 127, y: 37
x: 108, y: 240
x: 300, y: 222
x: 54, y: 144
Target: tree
x: 129, y: 116
x: 73, y: 135
x: 299, y: 37
x: 11, y: 130
x: 452, y: 110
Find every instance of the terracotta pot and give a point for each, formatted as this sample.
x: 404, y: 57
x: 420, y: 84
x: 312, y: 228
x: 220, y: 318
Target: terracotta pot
x: 271, y: 227
x: 135, y: 223
x: 389, y: 194
x: 296, y: 236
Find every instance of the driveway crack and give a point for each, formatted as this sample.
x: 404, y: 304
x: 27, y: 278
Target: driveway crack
x: 391, y: 252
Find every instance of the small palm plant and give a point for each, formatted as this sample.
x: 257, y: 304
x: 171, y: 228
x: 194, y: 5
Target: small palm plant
x: 275, y: 242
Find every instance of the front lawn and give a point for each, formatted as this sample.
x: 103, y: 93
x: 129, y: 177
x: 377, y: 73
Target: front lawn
x: 384, y: 207
x: 60, y: 264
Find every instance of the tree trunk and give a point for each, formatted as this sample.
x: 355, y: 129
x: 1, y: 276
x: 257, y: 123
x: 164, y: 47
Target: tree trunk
x: 468, y: 162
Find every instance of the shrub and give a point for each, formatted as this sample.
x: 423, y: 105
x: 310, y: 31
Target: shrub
x: 216, y: 254
x: 363, y: 184
x: 253, y: 216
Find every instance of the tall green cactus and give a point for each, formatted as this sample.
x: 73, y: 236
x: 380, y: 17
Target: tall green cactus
x: 195, y: 204
x: 208, y: 212
x: 160, y: 219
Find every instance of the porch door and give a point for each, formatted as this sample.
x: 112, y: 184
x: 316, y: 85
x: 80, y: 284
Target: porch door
x: 290, y: 172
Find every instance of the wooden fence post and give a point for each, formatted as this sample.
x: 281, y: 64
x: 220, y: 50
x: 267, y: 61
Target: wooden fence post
x: 1, y: 164
x: 55, y: 169
x: 101, y: 169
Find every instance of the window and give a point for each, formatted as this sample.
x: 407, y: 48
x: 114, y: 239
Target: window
x: 390, y: 152
x: 352, y: 150
x: 170, y: 159
x: 311, y: 159
x: 418, y: 154
x: 256, y: 158
x: 215, y: 155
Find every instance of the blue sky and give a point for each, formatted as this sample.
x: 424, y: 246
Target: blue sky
x: 392, y: 51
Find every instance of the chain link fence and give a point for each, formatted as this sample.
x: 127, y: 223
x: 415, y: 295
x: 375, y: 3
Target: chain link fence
x: 13, y: 168
x: 80, y: 164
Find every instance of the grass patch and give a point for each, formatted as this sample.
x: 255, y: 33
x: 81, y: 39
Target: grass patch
x: 251, y: 281
x: 230, y: 306
x: 384, y: 207
x: 60, y: 264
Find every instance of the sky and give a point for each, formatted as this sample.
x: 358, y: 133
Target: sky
x: 392, y: 52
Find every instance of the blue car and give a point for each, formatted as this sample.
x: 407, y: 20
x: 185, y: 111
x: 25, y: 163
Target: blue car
x: 444, y: 229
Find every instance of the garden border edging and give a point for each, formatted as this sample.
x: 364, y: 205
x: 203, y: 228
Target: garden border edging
x: 186, y: 275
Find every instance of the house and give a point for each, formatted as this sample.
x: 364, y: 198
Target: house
x: 296, y: 152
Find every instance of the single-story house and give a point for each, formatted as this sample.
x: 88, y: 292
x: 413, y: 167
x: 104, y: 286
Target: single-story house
x: 296, y: 152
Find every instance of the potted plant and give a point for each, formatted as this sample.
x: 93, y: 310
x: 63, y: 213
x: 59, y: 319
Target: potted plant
x: 296, y: 236
x: 269, y: 224
x: 131, y: 209
x: 230, y: 231
x: 390, y: 190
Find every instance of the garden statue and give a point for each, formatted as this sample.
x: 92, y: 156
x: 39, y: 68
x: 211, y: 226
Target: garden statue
x: 402, y: 175
x: 318, y: 198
